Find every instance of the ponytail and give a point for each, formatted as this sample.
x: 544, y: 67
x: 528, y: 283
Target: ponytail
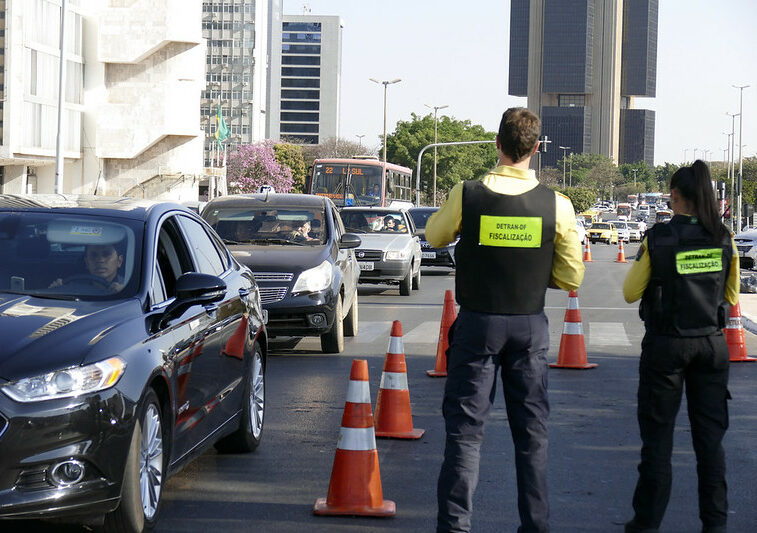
x: 695, y: 185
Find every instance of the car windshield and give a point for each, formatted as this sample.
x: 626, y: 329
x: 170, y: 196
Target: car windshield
x: 600, y: 225
x: 421, y: 216
x: 373, y: 221
x: 67, y: 256
x: 633, y: 225
x: 268, y: 224
x: 620, y: 225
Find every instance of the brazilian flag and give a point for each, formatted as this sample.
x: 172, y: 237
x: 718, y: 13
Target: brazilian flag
x: 222, y: 130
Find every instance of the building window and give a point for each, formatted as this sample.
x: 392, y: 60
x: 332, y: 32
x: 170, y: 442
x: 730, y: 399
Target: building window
x: 300, y: 60
x: 300, y: 71
x: 301, y: 48
x: 624, y: 101
x: 309, y: 95
x: 299, y: 117
x: 299, y: 128
x: 301, y: 38
x: 571, y: 100
x: 301, y: 26
x: 299, y: 105
x: 301, y: 82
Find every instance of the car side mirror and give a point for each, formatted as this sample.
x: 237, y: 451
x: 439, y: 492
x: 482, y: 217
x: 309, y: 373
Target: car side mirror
x: 419, y: 233
x: 193, y: 288
x: 349, y: 240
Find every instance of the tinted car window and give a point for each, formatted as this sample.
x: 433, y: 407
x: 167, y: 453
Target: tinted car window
x: 205, y: 252
x: 421, y: 216
x: 61, y: 255
x: 374, y: 221
x: 281, y: 224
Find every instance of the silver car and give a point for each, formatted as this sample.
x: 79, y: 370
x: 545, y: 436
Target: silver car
x: 391, y: 249
x: 746, y: 242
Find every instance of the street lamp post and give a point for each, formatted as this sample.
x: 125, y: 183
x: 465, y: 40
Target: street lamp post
x: 570, y: 172
x: 741, y: 124
x: 385, y: 84
x: 634, y: 170
x: 564, y: 149
x: 694, y: 157
x: 360, y: 140
x: 436, y: 108
x: 734, y: 227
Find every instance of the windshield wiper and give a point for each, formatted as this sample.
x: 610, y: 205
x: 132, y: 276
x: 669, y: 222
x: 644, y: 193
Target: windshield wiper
x: 276, y: 241
x: 229, y: 241
x: 48, y: 295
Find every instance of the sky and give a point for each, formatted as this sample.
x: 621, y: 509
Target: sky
x: 456, y: 54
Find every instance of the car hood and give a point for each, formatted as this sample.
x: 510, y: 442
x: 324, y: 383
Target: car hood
x: 40, y: 335
x: 384, y: 241
x: 748, y: 236
x: 275, y: 258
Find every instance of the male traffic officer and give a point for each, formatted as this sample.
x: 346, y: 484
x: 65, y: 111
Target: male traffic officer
x: 517, y: 237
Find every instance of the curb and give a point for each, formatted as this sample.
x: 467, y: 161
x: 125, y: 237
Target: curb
x: 749, y: 323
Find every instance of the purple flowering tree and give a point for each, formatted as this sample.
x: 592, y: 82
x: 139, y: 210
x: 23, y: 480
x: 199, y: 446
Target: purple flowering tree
x: 252, y: 165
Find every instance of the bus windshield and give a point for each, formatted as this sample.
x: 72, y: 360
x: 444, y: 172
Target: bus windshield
x: 348, y: 184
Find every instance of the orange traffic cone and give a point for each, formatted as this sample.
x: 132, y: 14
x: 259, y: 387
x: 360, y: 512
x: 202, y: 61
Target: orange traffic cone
x: 572, y: 352
x: 621, y: 253
x: 449, y: 314
x: 735, y: 337
x: 394, y: 417
x: 587, y: 252
x: 355, y: 487
x: 235, y: 345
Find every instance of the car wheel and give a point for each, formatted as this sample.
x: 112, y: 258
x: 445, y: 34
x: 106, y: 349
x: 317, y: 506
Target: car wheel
x: 144, y: 473
x: 333, y: 340
x: 247, y: 438
x: 351, y: 320
x: 417, y: 280
x: 407, y: 283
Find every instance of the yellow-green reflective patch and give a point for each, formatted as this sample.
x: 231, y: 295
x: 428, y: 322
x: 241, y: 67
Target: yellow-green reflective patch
x: 699, y: 261
x: 510, y: 232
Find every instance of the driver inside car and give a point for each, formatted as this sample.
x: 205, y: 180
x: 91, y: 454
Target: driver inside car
x: 102, y: 262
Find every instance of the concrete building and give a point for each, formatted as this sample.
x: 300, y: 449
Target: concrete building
x: 134, y: 77
x: 239, y: 35
x: 305, y: 80
x: 581, y: 63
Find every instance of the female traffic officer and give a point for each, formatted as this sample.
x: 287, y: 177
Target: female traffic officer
x: 684, y: 272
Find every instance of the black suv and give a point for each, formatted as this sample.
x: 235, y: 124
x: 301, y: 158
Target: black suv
x: 431, y: 256
x: 301, y: 256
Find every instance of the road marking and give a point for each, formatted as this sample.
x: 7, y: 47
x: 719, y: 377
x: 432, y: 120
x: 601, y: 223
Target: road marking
x: 427, y: 332
x: 369, y: 331
x: 608, y: 334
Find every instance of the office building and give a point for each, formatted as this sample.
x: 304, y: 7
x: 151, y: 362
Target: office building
x: 305, y: 80
x: 238, y: 35
x: 130, y: 121
x: 581, y: 63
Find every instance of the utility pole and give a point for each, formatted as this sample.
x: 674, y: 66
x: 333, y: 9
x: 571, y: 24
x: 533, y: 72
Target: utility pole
x: 360, y: 140
x: 436, y: 108
x: 634, y: 170
x: 741, y: 124
x: 61, y: 101
x: 385, y: 84
x: 733, y: 116
x: 564, y: 149
x: 543, y: 142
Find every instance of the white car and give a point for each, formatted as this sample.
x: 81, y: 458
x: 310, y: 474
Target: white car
x: 634, y: 231
x: 622, y: 227
x: 746, y: 242
x: 581, y: 230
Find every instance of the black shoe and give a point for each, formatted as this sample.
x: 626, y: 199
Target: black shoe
x: 634, y: 527
x: 714, y: 529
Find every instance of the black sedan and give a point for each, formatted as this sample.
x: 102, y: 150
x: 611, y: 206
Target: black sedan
x: 431, y: 256
x: 302, y: 259
x: 131, y: 341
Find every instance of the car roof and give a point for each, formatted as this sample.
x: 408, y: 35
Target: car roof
x: 423, y: 208
x: 279, y: 199
x: 375, y: 208
x: 124, y: 207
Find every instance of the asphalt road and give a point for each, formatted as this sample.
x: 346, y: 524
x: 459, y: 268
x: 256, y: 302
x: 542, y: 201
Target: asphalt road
x: 594, y: 443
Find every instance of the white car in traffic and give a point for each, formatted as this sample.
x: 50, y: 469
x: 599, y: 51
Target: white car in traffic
x: 622, y: 227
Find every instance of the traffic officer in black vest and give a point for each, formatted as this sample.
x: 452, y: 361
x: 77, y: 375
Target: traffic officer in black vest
x: 684, y: 273
x: 517, y: 237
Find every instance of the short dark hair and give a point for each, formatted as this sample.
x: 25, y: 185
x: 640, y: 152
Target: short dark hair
x: 518, y: 133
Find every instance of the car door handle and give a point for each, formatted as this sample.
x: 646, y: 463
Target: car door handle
x: 211, y: 309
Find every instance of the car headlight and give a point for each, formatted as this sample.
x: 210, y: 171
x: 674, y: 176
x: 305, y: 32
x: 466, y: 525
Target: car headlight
x: 314, y: 279
x: 397, y: 255
x: 67, y: 382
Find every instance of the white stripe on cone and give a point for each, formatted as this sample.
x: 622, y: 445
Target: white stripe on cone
x: 358, y: 392
x: 395, y: 345
x: 394, y: 381
x: 356, y: 439
x: 572, y: 328
x: 573, y: 302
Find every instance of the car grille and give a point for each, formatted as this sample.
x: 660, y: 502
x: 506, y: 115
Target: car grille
x: 744, y: 247
x: 368, y: 255
x: 273, y: 276
x: 269, y: 295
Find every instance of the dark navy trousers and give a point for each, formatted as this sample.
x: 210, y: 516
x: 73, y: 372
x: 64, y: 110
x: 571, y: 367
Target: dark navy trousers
x: 481, y: 346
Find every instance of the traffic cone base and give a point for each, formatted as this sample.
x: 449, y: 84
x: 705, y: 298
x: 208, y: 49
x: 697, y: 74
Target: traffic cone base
x: 587, y: 252
x: 449, y: 314
x: 394, y: 417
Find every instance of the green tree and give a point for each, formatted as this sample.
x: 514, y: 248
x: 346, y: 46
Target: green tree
x: 454, y: 163
x: 581, y: 197
x: 583, y: 163
x: 662, y: 174
x: 603, y: 176
x: 644, y: 178
x: 290, y: 155
x: 333, y: 147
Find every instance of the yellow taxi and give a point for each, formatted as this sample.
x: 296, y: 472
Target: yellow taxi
x: 604, y: 232
x: 589, y: 217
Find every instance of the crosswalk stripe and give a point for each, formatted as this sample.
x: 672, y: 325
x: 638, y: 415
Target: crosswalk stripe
x: 427, y: 332
x: 369, y: 331
x: 608, y: 334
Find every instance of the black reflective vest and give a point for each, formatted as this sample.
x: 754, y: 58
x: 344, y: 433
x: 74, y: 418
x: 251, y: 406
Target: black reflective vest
x: 504, y: 256
x: 686, y: 292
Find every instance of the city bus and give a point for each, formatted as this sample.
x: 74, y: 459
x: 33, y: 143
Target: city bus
x: 624, y: 210
x: 361, y: 181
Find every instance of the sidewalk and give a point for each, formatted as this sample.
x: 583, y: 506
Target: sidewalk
x: 749, y: 311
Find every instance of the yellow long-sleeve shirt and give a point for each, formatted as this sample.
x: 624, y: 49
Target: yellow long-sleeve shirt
x: 567, y: 264
x: 638, y: 276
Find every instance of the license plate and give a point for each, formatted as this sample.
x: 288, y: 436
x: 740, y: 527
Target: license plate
x: 428, y: 255
x: 364, y: 265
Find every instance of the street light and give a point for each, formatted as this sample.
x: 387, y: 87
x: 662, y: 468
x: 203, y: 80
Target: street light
x: 741, y: 124
x: 385, y: 84
x: 731, y: 169
x: 694, y: 157
x: 436, y: 108
x: 634, y: 170
x: 360, y: 140
x: 564, y: 149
